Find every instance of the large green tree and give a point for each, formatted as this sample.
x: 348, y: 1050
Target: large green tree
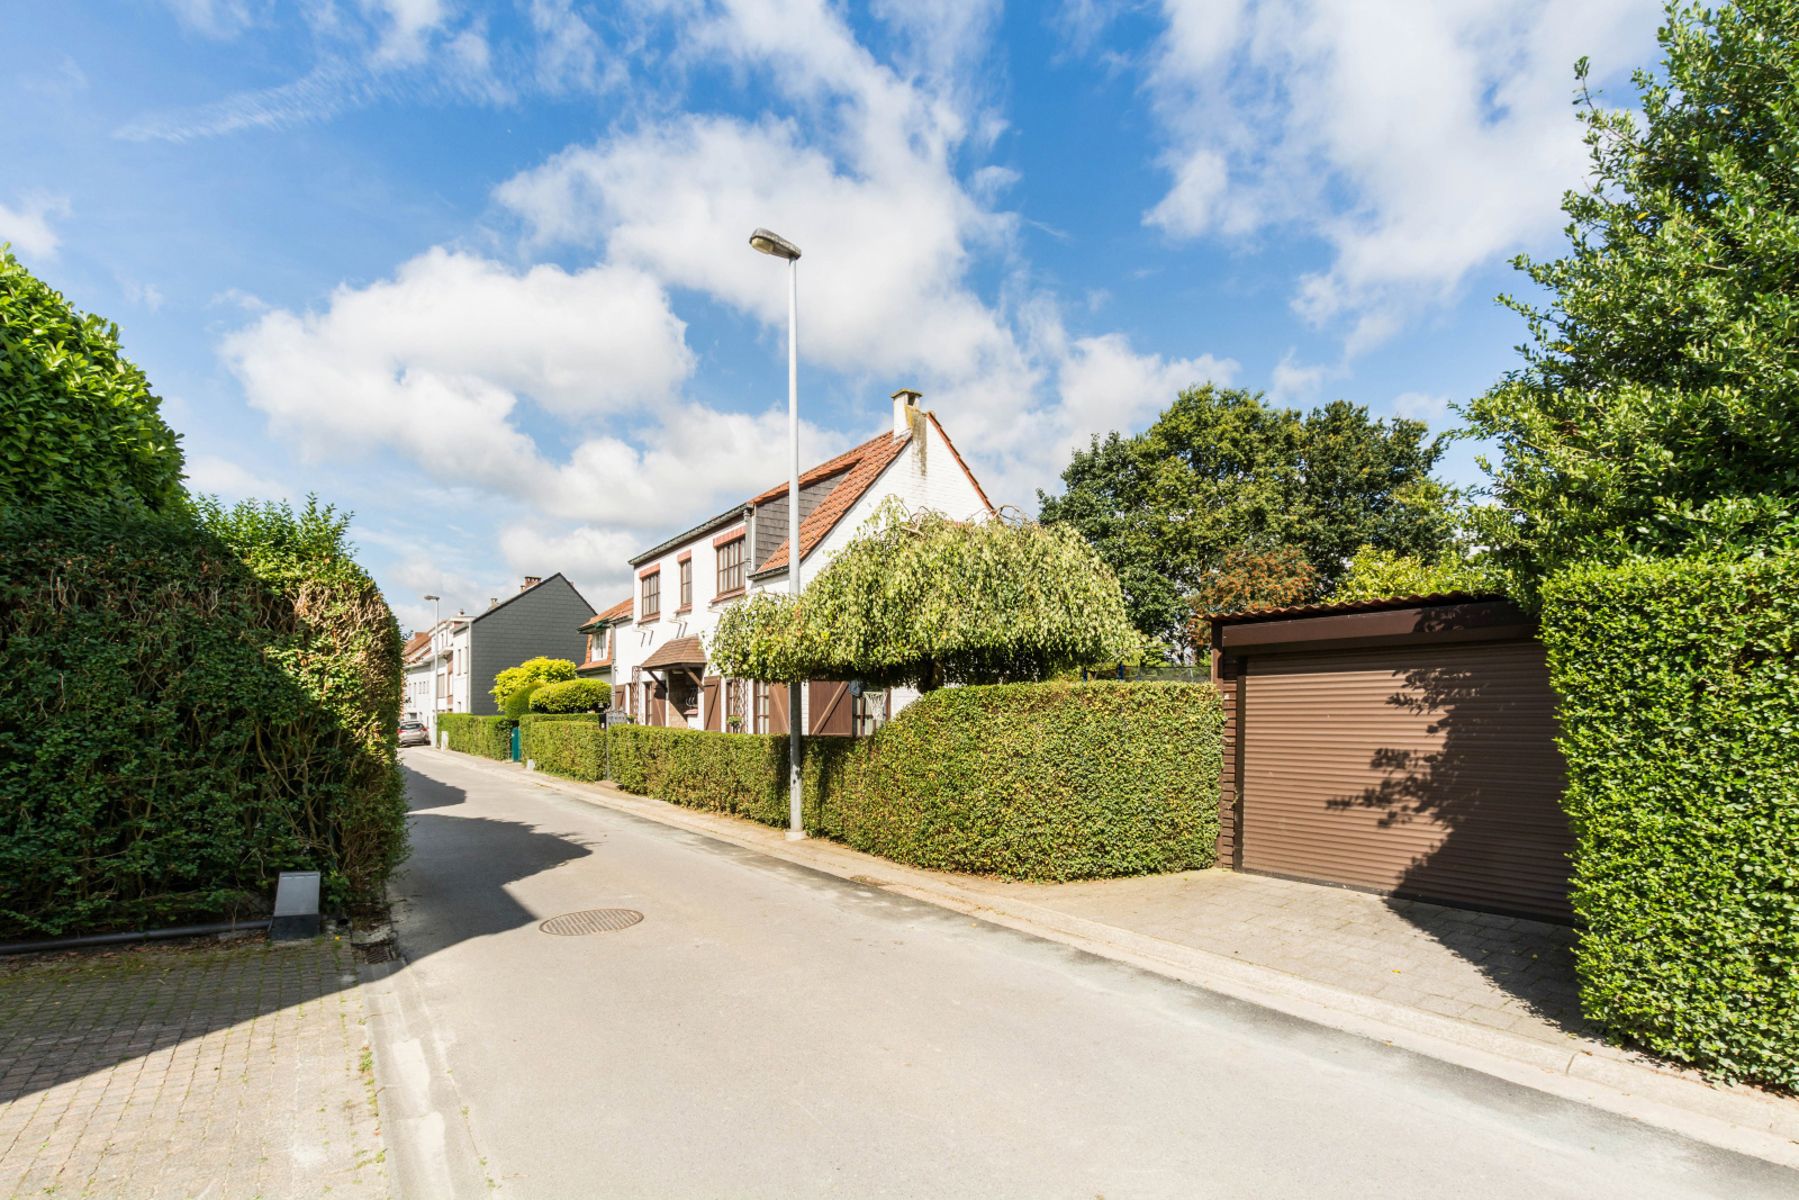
x: 78, y: 422
x: 1657, y: 409
x: 920, y: 599
x: 1223, y: 473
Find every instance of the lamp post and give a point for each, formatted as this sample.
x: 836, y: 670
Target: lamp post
x: 435, y: 622
x: 779, y: 247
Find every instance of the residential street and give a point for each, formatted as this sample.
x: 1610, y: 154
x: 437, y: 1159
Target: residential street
x: 772, y: 1031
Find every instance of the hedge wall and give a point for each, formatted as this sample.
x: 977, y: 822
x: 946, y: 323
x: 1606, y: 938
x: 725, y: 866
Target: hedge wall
x: 490, y: 737
x: 1033, y: 781
x: 1042, y: 781
x: 189, y: 704
x: 567, y: 744
x: 1680, y: 717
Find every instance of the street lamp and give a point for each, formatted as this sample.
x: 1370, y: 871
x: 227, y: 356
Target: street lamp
x: 779, y: 247
x: 434, y: 624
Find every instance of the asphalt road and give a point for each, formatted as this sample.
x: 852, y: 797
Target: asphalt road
x: 767, y: 1030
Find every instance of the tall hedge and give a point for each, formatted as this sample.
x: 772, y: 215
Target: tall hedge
x: 1042, y: 781
x: 489, y: 737
x: 1679, y: 685
x: 78, y: 419
x: 189, y: 704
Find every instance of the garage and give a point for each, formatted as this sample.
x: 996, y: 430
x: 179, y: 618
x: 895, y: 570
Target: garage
x: 1404, y: 747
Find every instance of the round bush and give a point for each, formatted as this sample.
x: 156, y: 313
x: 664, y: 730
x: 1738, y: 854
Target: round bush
x: 571, y: 696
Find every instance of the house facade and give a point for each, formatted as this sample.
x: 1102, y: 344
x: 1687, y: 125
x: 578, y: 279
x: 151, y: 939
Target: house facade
x: 601, y: 633
x: 659, y: 665
x: 436, y: 674
x: 542, y: 618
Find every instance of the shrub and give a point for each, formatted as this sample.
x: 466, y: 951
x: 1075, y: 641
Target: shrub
x: 532, y: 670
x: 82, y: 425
x: 1679, y: 714
x: 1041, y: 781
x: 572, y: 696
x: 518, y: 701
x: 188, y: 708
x: 490, y: 737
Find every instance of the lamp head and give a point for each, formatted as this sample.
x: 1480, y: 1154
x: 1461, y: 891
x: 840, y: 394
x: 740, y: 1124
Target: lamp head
x: 774, y: 244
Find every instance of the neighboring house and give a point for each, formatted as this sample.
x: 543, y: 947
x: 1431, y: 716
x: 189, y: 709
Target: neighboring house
x: 540, y: 619
x: 415, y: 659
x: 435, y: 680
x: 659, y: 670
x: 601, y: 633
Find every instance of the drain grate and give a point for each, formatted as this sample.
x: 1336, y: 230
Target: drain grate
x: 592, y: 920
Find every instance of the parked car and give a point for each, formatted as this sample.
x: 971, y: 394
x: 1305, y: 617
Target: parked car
x: 414, y: 733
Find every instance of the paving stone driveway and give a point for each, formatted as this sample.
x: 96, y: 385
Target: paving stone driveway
x: 208, y: 1069
x: 1500, y: 972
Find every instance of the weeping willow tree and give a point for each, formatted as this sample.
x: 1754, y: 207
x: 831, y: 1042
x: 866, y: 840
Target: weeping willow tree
x: 922, y: 600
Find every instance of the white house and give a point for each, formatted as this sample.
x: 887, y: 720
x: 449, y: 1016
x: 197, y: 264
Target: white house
x: 659, y: 670
x: 436, y: 674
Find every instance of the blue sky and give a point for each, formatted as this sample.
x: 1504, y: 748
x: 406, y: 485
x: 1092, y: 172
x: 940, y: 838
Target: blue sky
x: 479, y: 272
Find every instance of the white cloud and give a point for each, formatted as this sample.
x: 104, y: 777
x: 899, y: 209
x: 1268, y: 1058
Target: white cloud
x: 595, y: 559
x: 1418, y: 141
x: 27, y: 225
x: 1421, y: 406
x: 1293, y: 381
x: 436, y: 361
x: 212, y: 18
x: 231, y: 481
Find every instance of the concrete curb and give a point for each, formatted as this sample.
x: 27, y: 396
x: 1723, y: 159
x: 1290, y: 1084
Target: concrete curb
x: 1740, y: 1119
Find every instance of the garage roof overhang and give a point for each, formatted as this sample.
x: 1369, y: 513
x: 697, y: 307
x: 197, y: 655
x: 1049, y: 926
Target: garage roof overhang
x: 1400, y: 621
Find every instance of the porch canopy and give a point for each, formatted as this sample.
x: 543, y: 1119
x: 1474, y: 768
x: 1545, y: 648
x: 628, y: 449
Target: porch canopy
x: 679, y: 652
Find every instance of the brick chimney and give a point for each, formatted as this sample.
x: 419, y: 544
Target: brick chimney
x: 531, y: 581
x: 905, y: 408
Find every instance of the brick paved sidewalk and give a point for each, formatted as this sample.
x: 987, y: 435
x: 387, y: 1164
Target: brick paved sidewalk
x: 222, y: 1070
x: 1500, y: 972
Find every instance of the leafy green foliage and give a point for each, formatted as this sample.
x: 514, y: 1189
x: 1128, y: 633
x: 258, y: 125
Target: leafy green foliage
x: 518, y: 700
x: 567, y: 744
x: 188, y: 707
x: 81, y: 424
x: 1380, y: 574
x: 1251, y: 579
x: 1679, y: 685
x: 1032, y: 781
x: 532, y: 670
x: 572, y: 696
x: 1222, y: 470
x: 489, y: 737
x: 1655, y: 411
x: 1041, y: 781
x: 922, y: 599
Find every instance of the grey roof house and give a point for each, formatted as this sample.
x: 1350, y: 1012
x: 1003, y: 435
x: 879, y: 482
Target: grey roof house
x: 542, y: 618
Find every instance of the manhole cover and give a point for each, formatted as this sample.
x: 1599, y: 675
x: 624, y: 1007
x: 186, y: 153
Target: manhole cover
x: 592, y: 920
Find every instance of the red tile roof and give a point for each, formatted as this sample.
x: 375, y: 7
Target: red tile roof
x: 617, y: 612
x: 415, y: 643
x: 860, y: 466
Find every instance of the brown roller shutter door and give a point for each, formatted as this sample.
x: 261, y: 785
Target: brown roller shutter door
x: 1427, y: 771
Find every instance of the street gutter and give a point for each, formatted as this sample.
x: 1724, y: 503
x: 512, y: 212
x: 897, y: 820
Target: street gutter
x: 1741, y: 1119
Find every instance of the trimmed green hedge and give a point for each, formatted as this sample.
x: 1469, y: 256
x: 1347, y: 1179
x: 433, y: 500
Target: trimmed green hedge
x: 1679, y: 685
x: 567, y: 744
x: 490, y: 737
x: 1031, y: 781
x: 1042, y: 781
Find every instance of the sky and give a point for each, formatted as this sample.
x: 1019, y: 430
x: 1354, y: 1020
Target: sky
x: 479, y: 273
